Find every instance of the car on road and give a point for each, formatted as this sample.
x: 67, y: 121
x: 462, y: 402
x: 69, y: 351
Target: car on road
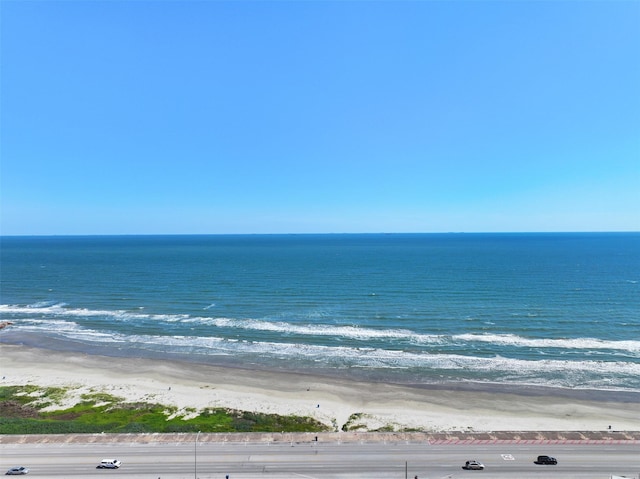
x: 109, y: 464
x: 546, y: 460
x: 473, y: 466
x: 17, y: 471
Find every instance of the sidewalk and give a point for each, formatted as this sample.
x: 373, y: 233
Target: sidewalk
x: 498, y: 437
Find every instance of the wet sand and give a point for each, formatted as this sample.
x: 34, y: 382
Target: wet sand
x: 335, y: 402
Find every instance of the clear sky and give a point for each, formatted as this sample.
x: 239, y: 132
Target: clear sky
x: 154, y: 117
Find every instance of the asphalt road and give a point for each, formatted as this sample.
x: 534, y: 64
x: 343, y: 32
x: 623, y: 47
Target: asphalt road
x: 213, y: 460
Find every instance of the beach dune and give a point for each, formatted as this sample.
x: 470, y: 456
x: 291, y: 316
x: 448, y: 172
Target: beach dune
x: 335, y: 402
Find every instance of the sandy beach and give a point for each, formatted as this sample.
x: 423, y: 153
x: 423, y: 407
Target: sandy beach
x: 332, y: 401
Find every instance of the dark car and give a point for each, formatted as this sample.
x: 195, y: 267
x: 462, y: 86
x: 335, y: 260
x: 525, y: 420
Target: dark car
x: 546, y: 460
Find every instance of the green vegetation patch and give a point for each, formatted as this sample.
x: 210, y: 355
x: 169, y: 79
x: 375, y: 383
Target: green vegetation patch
x: 100, y: 397
x: 19, y: 394
x: 21, y: 413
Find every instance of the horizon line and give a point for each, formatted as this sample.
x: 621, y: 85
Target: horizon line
x: 326, y: 233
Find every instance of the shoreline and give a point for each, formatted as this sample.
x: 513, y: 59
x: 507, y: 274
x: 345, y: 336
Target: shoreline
x: 332, y: 401
x: 34, y: 341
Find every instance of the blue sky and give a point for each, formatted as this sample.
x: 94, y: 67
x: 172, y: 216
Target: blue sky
x: 167, y: 117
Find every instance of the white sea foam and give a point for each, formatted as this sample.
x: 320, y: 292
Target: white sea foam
x: 38, y: 325
x: 70, y: 330
x: 551, y: 372
x: 328, y: 330
x: 372, y: 356
x: 45, y: 304
x: 565, y: 343
x: 353, y: 332
x: 556, y: 372
x: 61, y: 309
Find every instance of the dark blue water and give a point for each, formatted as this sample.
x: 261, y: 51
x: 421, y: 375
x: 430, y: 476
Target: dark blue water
x: 544, y: 309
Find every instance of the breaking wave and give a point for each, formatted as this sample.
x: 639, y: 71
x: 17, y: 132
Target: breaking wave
x: 41, y: 313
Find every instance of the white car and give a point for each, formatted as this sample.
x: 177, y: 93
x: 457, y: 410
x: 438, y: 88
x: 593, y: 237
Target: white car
x: 109, y: 464
x: 17, y: 471
x: 473, y: 466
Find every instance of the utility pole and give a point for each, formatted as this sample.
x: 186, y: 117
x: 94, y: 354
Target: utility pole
x: 195, y: 457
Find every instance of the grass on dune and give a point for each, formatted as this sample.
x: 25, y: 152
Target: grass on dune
x: 21, y: 412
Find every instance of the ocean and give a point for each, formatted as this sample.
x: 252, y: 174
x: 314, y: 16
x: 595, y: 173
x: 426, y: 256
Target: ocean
x: 553, y: 310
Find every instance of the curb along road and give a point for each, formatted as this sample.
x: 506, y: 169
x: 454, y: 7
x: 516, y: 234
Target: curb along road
x: 463, y: 438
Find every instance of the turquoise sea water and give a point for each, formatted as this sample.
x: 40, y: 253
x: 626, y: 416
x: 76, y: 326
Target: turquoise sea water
x: 557, y: 310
